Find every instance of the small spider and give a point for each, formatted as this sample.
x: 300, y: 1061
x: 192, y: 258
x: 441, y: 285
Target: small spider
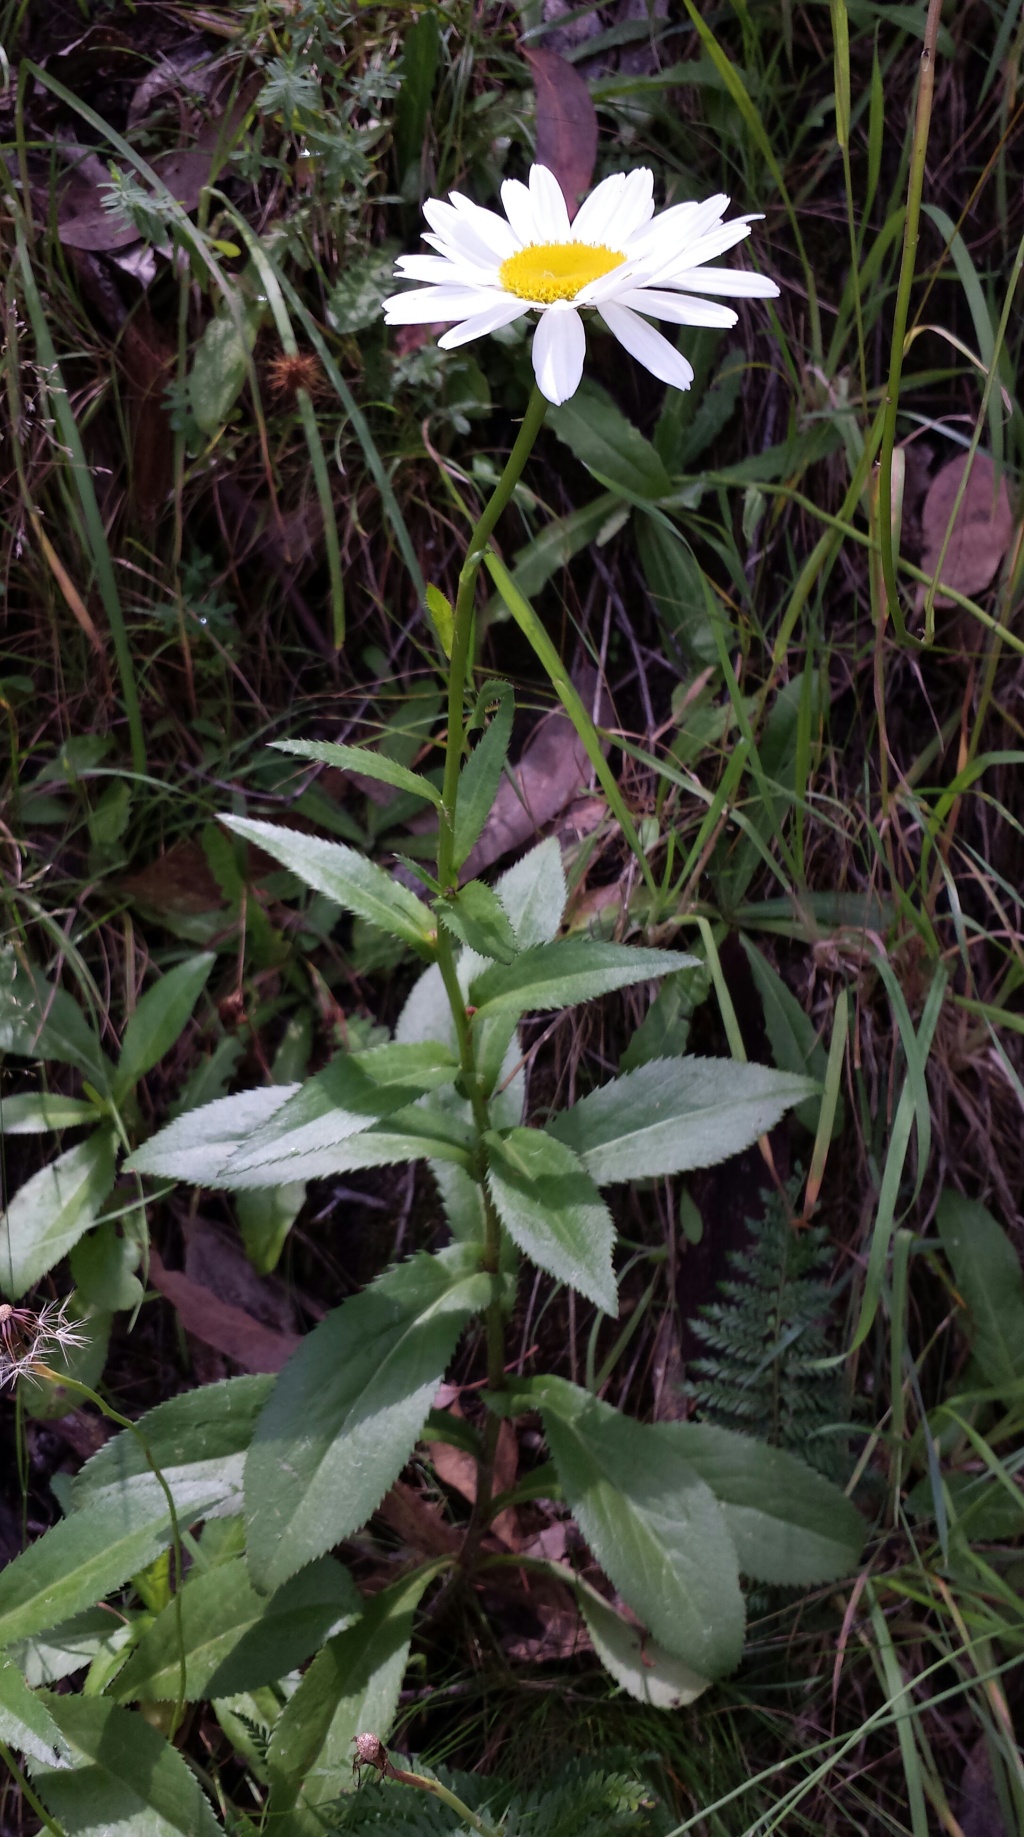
x: 370, y: 1752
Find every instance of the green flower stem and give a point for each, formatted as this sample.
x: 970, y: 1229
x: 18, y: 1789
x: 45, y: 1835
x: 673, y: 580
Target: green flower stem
x: 423, y: 1784
x: 463, y: 627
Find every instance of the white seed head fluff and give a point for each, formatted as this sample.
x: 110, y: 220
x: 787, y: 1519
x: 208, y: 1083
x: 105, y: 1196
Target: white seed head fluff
x: 616, y: 257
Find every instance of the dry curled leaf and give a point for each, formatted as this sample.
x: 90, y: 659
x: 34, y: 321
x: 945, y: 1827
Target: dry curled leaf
x: 566, y: 124
x: 981, y: 531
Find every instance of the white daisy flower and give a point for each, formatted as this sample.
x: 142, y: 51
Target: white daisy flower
x: 616, y: 256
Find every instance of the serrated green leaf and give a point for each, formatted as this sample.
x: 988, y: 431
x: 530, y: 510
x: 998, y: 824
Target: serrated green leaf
x: 265, y: 1218
x: 53, y: 1209
x: 351, y: 1686
x: 568, y: 971
x: 653, y: 1524
x: 234, y: 1639
x: 37, y: 1112
x: 790, y: 1526
x: 40, y: 1020
x: 439, y: 607
x: 643, y: 1667
x: 421, y: 1132
x: 481, y: 773
x: 361, y: 759
x: 346, y: 1410
x: 25, y: 1722
x: 598, y: 433
x: 47, y: 1657
x: 794, y: 1043
x: 479, y: 920
x: 83, y: 1557
x: 673, y: 577
x: 673, y: 1114
x: 533, y: 893
x: 553, y: 1212
x: 355, y: 1091
x: 127, y: 1780
x: 219, y: 367
x: 159, y: 1019
x: 197, y: 1440
x: 346, y: 876
x: 103, y: 1270
x: 988, y: 1274
x: 557, y: 543
x: 198, y: 1145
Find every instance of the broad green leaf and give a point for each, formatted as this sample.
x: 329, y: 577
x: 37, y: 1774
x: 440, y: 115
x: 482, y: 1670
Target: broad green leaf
x: 219, y: 367
x: 40, y: 1020
x: 25, y: 1722
x: 345, y: 1412
x: 36, y: 1112
x: 233, y: 1638
x: 673, y: 1114
x: 197, y: 1440
x: 198, y: 1145
x: 481, y: 773
x: 421, y: 43
x: 53, y: 1210
x: 421, y: 1132
x: 553, y: 1212
x: 351, y: 1686
x: 159, y: 1019
x: 673, y: 578
x: 103, y: 1268
x: 598, y: 433
x: 361, y: 759
x: 654, y: 1526
x: 570, y: 970
x: 265, y: 1219
x: 478, y: 919
x: 794, y: 1043
x: 346, y: 876
x: 649, y: 1673
x: 82, y: 1558
x: 353, y: 1092
x: 790, y: 1526
x: 128, y: 1779
x: 47, y: 1657
x: 988, y: 1274
x: 533, y: 893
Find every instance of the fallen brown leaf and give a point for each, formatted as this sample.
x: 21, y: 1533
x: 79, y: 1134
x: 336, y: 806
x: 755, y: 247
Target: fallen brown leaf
x: 228, y: 1329
x: 981, y: 532
x: 566, y: 124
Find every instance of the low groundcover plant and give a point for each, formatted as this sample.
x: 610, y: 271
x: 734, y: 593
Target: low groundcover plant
x: 673, y: 1512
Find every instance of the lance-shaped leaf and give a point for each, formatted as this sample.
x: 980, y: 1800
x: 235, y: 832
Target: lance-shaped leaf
x: 653, y: 1524
x: 48, y: 1215
x: 671, y: 1114
x: 477, y: 917
x: 790, y: 1526
x: 638, y: 1663
x: 159, y: 1019
x: 40, y: 1020
x: 346, y: 876
x: 346, y: 1410
x: 47, y: 1657
x: 355, y: 1091
x: 25, y: 1722
x: 351, y: 1686
x: 553, y: 1211
x: 421, y: 1132
x: 127, y: 1777
x: 989, y: 1277
x: 36, y: 1112
x: 481, y: 774
x: 369, y: 764
x: 197, y: 1441
x: 569, y: 970
x: 234, y: 1639
x: 198, y: 1145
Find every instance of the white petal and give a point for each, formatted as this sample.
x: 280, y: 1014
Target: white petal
x: 559, y: 347
x: 633, y: 209
x: 491, y: 229
x: 432, y: 305
x: 674, y: 228
x: 704, y: 249
x: 503, y: 312
x: 648, y: 346
x: 456, y: 235
x: 735, y: 283
x: 441, y: 270
x: 597, y: 210
x: 677, y: 309
x: 550, y: 215
x: 518, y: 205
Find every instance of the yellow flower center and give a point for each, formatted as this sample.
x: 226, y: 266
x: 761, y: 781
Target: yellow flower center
x: 548, y: 271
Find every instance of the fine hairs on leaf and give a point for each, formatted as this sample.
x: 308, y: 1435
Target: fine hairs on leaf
x: 765, y: 1337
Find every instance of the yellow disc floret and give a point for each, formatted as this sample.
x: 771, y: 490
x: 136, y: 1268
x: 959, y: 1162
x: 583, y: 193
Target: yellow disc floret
x: 549, y: 271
